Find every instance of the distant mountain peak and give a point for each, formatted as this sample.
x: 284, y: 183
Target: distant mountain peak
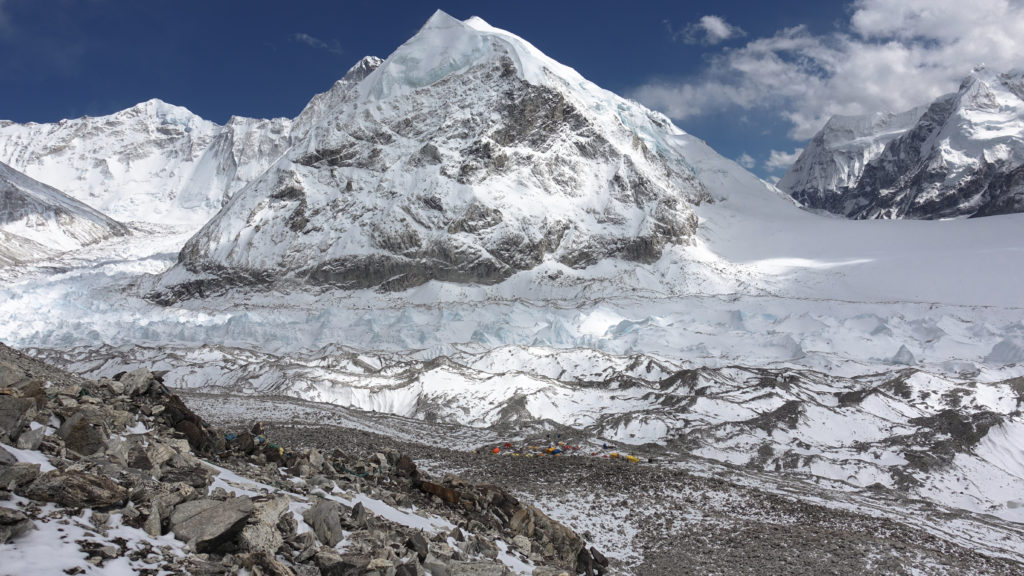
x: 962, y: 155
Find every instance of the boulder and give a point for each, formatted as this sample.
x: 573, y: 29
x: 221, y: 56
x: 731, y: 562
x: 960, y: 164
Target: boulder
x: 522, y: 543
x: 195, y: 476
x: 207, y: 524
x: 325, y: 519
x: 6, y: 458
x: 15, y: 414
x: 18, y: 475
x: 331, y: 563
x: 136, y: 382
x: 359, y: 515
x: 13, y: 523
x: 419, y: 544
x: 266, y: 562
x: 262, y: 534
x: 76, y: 489
x: 80, y: 436
x: 584, y: 563
x: 31, y: 439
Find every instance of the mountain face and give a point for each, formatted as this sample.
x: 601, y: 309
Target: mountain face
x: 960, y: 156
x: 37, y: 220
x: 153, y: 162
x: 833, y: 162
x: 466, y: 156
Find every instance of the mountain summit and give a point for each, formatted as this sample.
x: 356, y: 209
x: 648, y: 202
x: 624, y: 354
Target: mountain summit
x: 963, y: 155
x: 465, y: 156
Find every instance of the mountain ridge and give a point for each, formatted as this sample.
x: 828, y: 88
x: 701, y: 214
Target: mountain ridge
x: 961, y: 157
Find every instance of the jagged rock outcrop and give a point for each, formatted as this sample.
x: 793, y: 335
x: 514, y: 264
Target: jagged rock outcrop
x: 466, y: 156
x: 961, y: 156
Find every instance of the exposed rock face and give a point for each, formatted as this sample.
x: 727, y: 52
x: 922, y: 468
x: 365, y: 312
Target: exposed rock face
x: 468, y: 169
x: 961, y: 156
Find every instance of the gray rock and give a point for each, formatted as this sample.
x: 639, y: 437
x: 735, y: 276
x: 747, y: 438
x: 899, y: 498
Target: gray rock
x: 262, y: 535
x: 266, y: 562
x: 195, y: 476
x: 435, y: 566
x: 76, y: 489
x: 31, y: 439
x: 476, y: 569
x: 137, y: 382
x: 18, y: 475
x: 80, y: 436
x: 15, y: 413
x: 13, y: 524
x: 418, y: 543
x: 325, y: 518
x: 359, y: 514
x: 207, y: 524
x: 522, y: 543
x: 6, y: 458
x: 332, y: 563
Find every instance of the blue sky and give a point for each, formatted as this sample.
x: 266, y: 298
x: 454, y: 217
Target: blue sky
x: 754, y: 79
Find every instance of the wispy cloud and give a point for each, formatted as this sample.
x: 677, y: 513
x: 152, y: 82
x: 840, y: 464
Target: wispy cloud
x: 709, y: 30
x: 334, y: 47
x: 890, y: 55
x: 780, y: 160
x: 746, y: 160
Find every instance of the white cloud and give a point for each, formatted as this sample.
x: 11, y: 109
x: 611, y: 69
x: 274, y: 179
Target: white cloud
x: 747, y: 161
x: 710, y: 29
x: 780, y: 160
x: 314, y: 42
x: 891, y: 55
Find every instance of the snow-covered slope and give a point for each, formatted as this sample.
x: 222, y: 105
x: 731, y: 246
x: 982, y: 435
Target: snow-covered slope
x: 962, y: 157
x: 466, y: 156
x: 152, y: 162
x: 37, y: 220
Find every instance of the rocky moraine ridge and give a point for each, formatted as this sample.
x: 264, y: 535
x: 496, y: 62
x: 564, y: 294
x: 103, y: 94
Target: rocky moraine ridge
x: 119, y: 474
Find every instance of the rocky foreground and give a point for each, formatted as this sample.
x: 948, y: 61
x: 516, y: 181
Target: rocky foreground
x: 119, y: 475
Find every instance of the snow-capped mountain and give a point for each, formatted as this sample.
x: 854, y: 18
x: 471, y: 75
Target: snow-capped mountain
x: 833, y: 161
x: 960, y: 156
x: 37, y: 220
x: 466, y: 156
x: 153, y: 162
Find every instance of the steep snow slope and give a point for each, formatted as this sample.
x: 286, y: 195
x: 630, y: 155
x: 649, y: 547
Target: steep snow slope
x: 465, y: 156
x: 962, y: 157
x: 153, y: 162
x: 38, y: 220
